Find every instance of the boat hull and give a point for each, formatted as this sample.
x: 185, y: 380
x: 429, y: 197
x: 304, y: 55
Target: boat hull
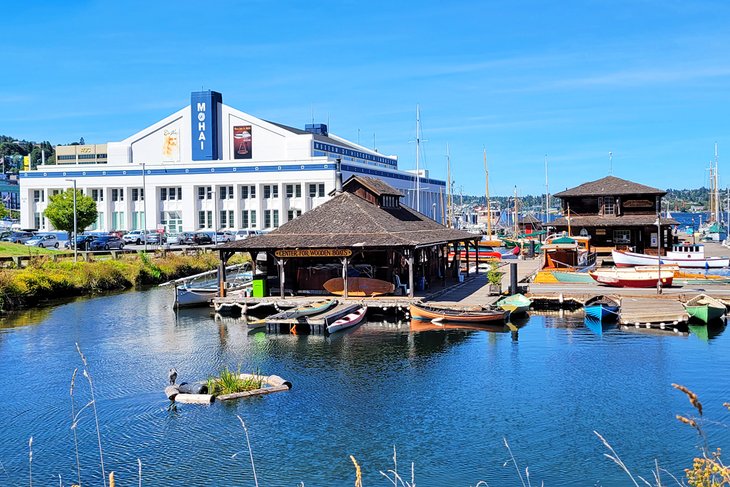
x: 348, y: 320
x: 624, y: 258
x: 637, y: 279
x: 431, y: 313
x: 359, y: 287
x: 705, y: 308
x: 602, y: 308
x: 515, y: 304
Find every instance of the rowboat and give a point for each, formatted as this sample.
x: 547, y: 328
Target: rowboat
x: 632, y: 277
x: 200, y: 289
x: 359, y: 286
x: 425, y: 312
x: 705, y: 308
x: 515, y: 304
x: 602, y: 308
x: 680, y: 255
x: 303, y: 310
x: 348, y: 320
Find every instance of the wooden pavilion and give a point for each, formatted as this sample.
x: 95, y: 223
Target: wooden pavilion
x: 362, y: 230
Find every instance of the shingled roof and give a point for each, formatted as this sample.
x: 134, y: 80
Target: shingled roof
x: 377, y: 186
x: 347, y: 221
x: 610, y: 185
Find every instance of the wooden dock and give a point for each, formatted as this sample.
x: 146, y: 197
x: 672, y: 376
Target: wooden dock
x: 652, y: 312
x: 313, y: 324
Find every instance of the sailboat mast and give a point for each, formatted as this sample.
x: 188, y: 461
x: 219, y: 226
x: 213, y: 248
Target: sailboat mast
x: 515, y: 217
x: 418, y: 157
x: 489, y: 203
x: 547, y: 196
x: 717, y: 189
x: 448, y: 190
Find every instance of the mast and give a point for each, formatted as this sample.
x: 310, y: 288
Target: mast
x: 418, y: 156
x: 717, y: 190
x: 515, y: 217
x: 448, y: 190
x: 489, y: 204
x: 712, y: 194
x: 547, y: 195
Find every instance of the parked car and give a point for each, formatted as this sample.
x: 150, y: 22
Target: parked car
x: 154, y: 238
x: 43, y: 240
x: 19, y: 237
x: 135, y: 237
x: 173, y: 238
x: 244, y: 234
x: 222, y: 236
x: 106, y: 242
x: 82, y: 242
x: 202, y: 238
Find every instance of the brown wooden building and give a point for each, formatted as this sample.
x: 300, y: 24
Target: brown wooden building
x: 363, y: 230
x: 616, y: 213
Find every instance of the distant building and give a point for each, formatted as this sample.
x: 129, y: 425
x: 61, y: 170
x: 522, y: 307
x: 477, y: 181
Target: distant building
x: 210, y: 166
x: 10, y: 193
x: 617, y: 213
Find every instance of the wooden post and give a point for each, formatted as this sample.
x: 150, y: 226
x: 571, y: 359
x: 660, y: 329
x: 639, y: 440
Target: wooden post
x: 344, y: 277
x: 410, y: 274
x: 476, y: 246
x: 221, y: 279
x: 466, y: 246
x: 280, y: 263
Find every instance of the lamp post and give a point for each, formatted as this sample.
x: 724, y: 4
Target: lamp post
x: 144, y: 208
x: 74, y: 237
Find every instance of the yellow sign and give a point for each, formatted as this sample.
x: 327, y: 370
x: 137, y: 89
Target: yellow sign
x: 26, y: 163
x: 85, y: 150
x: 314, y: 253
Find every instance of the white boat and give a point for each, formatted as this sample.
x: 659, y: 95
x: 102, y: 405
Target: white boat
x: 198, y: 290
x: 635, y: 277
x: 690, y: 255
x: 348, y: 320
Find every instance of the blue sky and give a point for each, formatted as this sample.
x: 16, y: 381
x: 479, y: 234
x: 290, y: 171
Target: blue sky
x: 646, y: 80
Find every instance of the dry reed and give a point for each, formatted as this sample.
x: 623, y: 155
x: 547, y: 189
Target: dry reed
x: 250, y: 453
x: 96, y: 416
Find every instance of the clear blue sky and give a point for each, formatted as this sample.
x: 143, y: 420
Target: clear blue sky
x: 646, y: 80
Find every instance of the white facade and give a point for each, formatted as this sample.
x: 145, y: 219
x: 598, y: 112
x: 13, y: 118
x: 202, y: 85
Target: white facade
x: 215, y: 168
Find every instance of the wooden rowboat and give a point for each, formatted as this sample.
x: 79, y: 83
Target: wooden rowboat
x: 359, y: 286
x: 425, y: 312
x: 515, y: 304
x: 705, y: 308
x: 632, y: 278
x: 602, y: 308
x: 348, y: 320
x: 304, y: 310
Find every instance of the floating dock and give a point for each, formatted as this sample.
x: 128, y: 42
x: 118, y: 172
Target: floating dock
x: 314, y: 324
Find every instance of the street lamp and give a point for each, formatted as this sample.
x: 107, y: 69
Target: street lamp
x: 74, y: 237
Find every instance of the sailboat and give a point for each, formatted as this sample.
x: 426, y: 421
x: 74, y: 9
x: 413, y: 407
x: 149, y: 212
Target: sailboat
x: 489, y: 239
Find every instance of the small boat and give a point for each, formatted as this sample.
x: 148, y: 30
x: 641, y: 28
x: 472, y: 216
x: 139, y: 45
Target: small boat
x: 682, y: 255
x: 198, y: 290
x: 303, y: 310
x: 425, y: 312
x: 602, y: 308
x: 515, y: 304
x: 705, y: 308
x: 632, y: 277
x: 359, y: 286
x: 348, y: 320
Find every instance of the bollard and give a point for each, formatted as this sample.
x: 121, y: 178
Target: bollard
x: 513, y: 277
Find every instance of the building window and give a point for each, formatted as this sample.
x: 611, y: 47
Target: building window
x: 276, y: 218
x: 267, y: 219
x: 292, y: 214
x: 38, y: 197
x: 138, y: 194
x: 118, y: 221
x: 37, y: 220
x: 248, y: 192
x: 137, y: 220
x: 622, y: 236
x: 271, y: 218
x: 226, y: 192
x: 97, y: 195
x: 293, y: 190
x: 205, y: 219
x: 117, y: 194
x: 226, y: 219
x: 321, y: 190
x: 244, y: 219
x: 271, y: 191
x: 316, y: 190
x: 163, y: 194
x: 172, y: 221
x: 205, y: 192
x: 253, y: 219
x: 606, y: 205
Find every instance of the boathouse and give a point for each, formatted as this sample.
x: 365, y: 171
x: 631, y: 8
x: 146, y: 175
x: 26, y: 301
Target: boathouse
x: 362, y: 231
x: 616, y: 213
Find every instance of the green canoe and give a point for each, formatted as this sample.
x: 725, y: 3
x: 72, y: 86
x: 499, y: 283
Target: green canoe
x: 705, y: 308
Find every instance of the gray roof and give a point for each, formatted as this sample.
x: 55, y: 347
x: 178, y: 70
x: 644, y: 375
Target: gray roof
x: 611, y: 221
x: 377, y: 186
x: 610, y: 185
x: 347, y: 221
x: 321, y: 138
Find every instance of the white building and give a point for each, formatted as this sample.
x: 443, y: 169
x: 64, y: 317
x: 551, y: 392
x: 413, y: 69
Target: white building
x: 211, y: 166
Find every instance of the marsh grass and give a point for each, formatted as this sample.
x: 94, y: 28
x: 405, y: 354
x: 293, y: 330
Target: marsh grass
x: 230, y: 381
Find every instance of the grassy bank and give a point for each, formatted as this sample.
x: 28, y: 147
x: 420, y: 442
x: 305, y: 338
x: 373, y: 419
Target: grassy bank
x: 13, y: 249
x: 45, y: 280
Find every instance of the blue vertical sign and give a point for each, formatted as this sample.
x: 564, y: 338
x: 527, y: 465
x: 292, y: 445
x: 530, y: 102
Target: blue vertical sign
x: 205, y: 128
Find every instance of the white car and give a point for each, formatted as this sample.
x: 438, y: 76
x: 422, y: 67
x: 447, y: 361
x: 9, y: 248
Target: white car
x: 138, y: 237
x: 222, y: 236
x: 244, y: 234
x: 43, y: 240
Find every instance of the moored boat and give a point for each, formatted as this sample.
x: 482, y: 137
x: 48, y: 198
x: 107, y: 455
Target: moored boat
x: 680, y: 255
x: 200, y: 289
x: 632, y: 277
x: 705, y: 308
x: 515, y: 304
x: 602, y: 308
x: 426, y: 312
x: 308, y: 309
x: 349, y: 320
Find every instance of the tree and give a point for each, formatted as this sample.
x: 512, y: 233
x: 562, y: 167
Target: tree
x: 4, y: 212
x: 60, y: 211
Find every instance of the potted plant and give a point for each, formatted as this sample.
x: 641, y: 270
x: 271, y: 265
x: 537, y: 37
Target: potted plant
x: 494, y: 279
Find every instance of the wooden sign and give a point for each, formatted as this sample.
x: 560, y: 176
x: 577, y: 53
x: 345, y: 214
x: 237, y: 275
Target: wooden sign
x: 314, y: 253
x: 638, y: 204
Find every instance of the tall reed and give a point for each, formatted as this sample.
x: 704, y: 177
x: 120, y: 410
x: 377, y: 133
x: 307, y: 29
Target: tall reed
x: 96, y: 416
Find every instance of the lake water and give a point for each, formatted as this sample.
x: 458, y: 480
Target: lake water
x: 446, y: 399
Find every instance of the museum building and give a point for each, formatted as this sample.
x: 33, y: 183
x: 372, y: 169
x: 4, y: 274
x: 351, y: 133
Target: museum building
x: 209, y: 166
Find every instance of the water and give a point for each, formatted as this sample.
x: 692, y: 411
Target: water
x: 445, y: 398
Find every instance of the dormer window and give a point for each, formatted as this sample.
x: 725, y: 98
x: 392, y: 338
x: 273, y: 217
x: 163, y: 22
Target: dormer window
x: 388, y: 201
x: 606, y: 205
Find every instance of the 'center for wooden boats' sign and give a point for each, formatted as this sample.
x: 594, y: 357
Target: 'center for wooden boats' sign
x: 314, y: 253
